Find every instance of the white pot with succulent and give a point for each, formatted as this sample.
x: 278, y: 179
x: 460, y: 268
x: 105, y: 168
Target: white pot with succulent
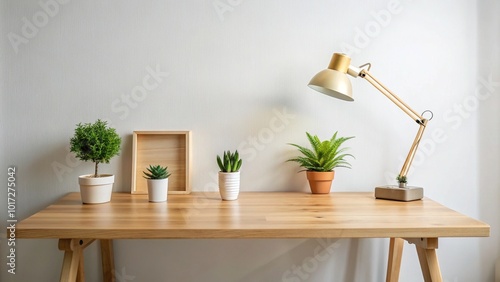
x: 97, y: 143
x: 401, y: 181
x: 229, y: 175
x: 157, y: 177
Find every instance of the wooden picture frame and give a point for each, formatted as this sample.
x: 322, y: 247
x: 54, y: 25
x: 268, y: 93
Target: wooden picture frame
x: 166, y: 148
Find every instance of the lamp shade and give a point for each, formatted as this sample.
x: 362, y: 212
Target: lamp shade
x: 332, y: 83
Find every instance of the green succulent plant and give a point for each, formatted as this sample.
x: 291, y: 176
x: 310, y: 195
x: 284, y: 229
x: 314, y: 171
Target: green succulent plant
x: 95, y: 142
x: 401, y: 179
x: 324, y: 155
x: 230, y: 162
x: 156, y: 172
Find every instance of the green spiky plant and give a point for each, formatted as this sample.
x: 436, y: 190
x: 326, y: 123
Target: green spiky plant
x: 230, y: 162
x: 95, y: 142
x: 324, y: 155
x: 156, y: 172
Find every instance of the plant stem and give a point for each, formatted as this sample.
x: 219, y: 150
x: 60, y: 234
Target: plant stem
x: 95, y: 172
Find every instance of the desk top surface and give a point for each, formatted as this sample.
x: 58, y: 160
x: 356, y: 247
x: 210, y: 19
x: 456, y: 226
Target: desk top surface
x: 253, y: 215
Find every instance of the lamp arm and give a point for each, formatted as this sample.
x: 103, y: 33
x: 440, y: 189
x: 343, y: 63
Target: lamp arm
x: 413, y: 149
x: 393, y: 97
x: 403, y: 106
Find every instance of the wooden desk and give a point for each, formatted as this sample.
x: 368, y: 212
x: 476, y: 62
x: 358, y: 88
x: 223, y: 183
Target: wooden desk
x: 253, y: 215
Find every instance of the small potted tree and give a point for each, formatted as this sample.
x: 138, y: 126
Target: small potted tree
x: 229, y: 175
x: 98, y: 143
x: 320, y: 161
x: 157, y: 177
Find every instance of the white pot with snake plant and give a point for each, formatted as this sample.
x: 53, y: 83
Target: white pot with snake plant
x: 229, y: 175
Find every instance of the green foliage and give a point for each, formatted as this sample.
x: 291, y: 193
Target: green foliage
x: 95, y: 142
x: 156, y: 172
x: 401, y: 179
x: 324, y: 155
x: 230, y: 162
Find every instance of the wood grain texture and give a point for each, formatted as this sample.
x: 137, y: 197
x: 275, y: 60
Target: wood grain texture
x: 253, y: 215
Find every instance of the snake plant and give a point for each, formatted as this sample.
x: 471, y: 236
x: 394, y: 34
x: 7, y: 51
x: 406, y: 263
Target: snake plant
x: 230, y: 162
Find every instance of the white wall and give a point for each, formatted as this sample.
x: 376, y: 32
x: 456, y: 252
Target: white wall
x: 488, y: 127
x: 227, y: 69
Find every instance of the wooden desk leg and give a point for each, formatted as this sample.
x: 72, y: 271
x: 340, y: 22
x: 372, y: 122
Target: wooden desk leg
x: 73, y: 258
x: 394, y: 264
x: 70, y: 265
x: 426, y: 250
x: 429, y: 264
x: 80, y: 275
x: 108, y: 262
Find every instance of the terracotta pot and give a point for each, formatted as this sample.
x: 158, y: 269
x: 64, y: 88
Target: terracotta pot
x: 320, y: 182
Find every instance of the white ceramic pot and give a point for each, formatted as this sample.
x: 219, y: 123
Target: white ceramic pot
x: 96, y: 190
x: 229, y: 185
x: 157, y: 190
